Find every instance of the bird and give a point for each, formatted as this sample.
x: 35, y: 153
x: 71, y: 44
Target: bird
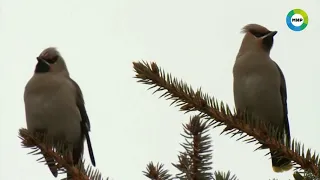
x: 54, y: 105
x: 259, y: 87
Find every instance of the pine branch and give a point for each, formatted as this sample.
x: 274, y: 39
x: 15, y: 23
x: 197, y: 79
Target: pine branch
x: 237, y: 123
x: 43, y: 147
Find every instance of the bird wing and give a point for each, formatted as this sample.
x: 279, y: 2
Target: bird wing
x: 85, y: 122
x: 283, y: 92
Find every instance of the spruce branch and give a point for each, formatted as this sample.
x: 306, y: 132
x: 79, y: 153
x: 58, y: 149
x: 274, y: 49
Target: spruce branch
x: 40, y: 144
x: 195, y: 162
x: 196, y: 159
x: 184, y: 166
x: 238, y: 123
x: 218, y: 175
x: 305, y: 176
x: 157, y: 172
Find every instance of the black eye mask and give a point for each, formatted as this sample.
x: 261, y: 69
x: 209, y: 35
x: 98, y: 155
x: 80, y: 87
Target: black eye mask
x: 53, y: 60
x: 266, y: 42
x: 50, y: 61
x: 43, y: 64
x: 259, y: 34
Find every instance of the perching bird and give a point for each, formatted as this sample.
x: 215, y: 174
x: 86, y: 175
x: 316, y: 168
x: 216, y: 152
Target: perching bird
x: 259, y: 86
x: 54, y: 105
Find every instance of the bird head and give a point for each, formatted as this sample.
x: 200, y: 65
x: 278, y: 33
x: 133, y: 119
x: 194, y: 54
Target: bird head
x: 256, y: 38
x: 50, y: 61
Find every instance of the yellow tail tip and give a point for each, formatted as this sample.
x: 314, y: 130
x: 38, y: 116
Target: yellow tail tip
x: 284, y: 168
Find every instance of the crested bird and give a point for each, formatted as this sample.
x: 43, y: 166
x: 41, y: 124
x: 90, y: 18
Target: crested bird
x: 54, y: 105
x: 259, y: 87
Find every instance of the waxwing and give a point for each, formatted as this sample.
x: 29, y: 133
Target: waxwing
x: 259, y: 86
x: 54, y: 105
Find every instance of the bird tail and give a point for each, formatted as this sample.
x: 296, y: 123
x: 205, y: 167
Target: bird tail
x: 52, y: 165
x: 90, y: 149
x: 279, y: 163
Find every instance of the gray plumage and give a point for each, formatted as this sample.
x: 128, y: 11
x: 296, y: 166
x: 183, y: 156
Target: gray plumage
x: 54, y: 105
x: 259, y: 85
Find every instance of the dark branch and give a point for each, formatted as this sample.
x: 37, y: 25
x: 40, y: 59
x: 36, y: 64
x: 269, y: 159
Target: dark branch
x: 219, y: 114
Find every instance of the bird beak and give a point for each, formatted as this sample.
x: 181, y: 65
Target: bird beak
x: 270, y: 35
x: 42, y: 61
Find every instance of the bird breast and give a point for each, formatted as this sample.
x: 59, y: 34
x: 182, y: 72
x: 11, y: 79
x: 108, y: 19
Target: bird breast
x: 260, y: 96
x: 51, y: 106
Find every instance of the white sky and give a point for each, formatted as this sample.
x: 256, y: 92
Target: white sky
x: 194, y: 40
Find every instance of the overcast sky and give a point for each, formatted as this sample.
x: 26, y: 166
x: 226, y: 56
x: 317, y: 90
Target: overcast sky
x: 194, y: 40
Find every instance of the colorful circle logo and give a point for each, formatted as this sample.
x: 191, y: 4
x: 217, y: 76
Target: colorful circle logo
x: 297, y: 19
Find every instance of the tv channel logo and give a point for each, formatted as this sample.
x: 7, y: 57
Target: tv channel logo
x: 297, y: 19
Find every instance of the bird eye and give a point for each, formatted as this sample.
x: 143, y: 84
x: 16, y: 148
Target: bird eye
x: 257, y: 35
x: 53, y: 60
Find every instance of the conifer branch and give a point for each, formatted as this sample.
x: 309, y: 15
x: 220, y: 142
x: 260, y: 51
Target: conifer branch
x: 224, y: 176
x: 43, y: 147
x: 306, y: 176
x: 238, y: 123
x: 195, y: 162
x: 157, y: 172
